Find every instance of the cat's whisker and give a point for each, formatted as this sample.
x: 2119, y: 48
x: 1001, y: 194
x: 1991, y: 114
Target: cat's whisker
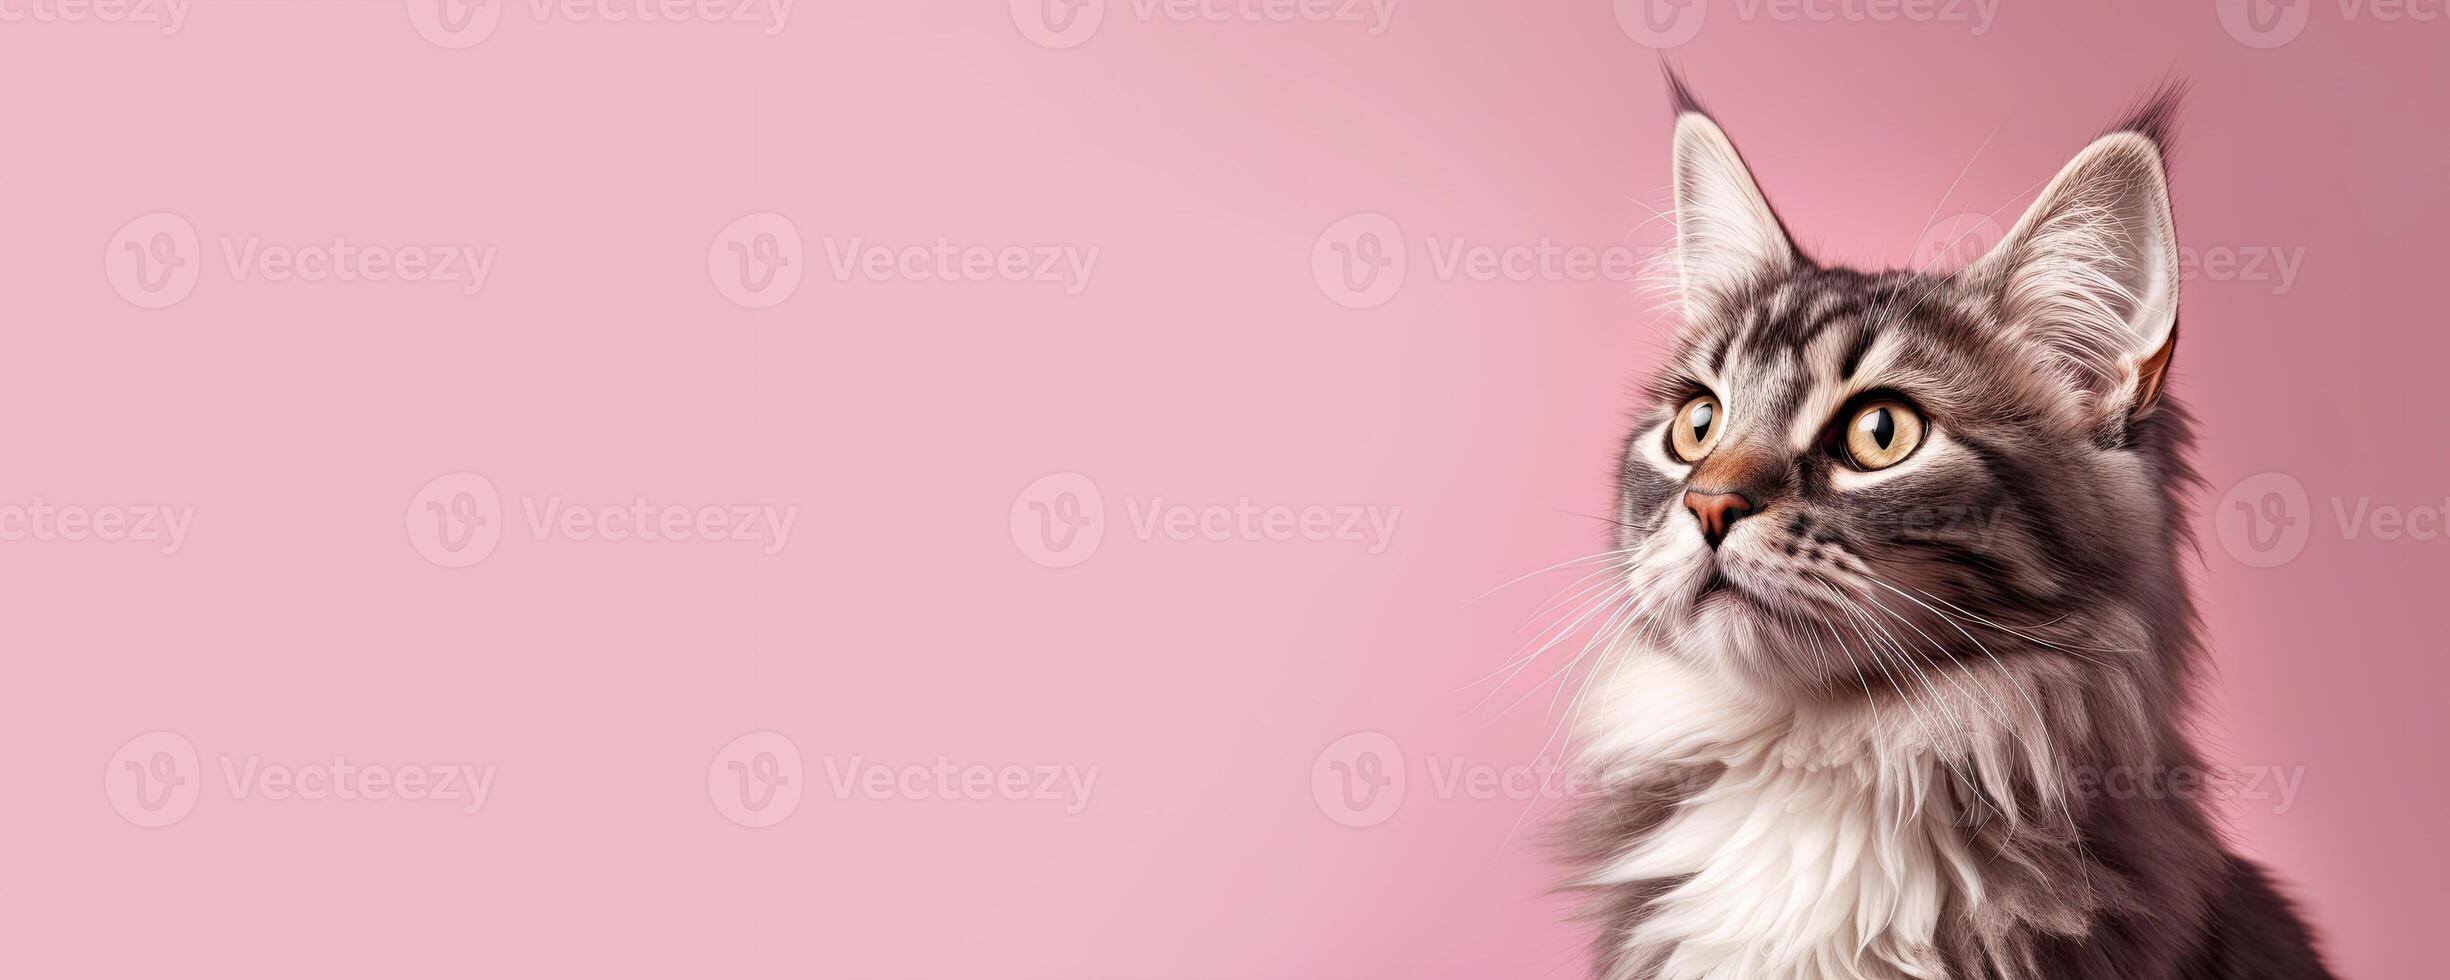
x: 1885, y: 307
x: 1985, y: 703
x: 1631, y: 606
x: 1584, y: 598
x: 1579, y: 587
x: 1569, y: 563
x: 2023, y: 634
x: 1860, y: 617
x: 1609, y: 603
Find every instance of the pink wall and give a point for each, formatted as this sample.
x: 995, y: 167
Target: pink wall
x: 1186, y: 691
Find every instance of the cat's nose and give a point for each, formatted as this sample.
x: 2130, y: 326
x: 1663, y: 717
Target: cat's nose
x: 1717, y: 512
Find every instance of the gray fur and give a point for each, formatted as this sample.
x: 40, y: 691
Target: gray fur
x: 2054, y: 539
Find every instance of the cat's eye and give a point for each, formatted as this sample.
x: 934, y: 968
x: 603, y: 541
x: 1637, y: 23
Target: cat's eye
x: 1695, y: 428
x: 1882, y: 434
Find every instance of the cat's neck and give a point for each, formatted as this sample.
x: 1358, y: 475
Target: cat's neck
x: 1801, y: 838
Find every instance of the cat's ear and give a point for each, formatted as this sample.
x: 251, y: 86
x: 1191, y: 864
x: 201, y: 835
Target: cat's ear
x: 2090, y: 273
x: 1728, y: 241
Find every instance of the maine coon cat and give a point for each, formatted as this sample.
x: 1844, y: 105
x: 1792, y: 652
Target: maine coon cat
x: 1900, y: 683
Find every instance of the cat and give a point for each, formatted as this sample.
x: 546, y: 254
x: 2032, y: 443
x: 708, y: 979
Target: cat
x: 1900, y: 556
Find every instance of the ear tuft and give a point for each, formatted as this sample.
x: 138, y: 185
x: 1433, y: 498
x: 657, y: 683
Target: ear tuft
x: 2155, y: 116
x: 1679, y: 95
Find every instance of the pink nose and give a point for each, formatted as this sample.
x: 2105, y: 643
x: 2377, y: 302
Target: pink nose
x: 1717, y: 512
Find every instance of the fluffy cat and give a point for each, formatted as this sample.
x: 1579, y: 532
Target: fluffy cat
x: 1910, y: 645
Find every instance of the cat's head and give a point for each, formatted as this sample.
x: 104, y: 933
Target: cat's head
x: 1839, y: 476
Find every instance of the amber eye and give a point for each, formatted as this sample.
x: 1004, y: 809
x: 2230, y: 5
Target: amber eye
x: 1695, y: 429
x: 1882, y: 434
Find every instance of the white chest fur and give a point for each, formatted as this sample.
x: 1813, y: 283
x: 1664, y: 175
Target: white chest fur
x: 1824, y: 849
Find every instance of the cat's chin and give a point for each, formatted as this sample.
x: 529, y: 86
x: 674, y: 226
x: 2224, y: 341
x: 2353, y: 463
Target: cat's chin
x: 1745, y: 630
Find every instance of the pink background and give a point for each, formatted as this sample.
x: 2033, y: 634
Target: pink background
x: 910, y: 617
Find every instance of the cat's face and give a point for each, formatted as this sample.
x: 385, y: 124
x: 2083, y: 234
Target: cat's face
x: 1837, y: 472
